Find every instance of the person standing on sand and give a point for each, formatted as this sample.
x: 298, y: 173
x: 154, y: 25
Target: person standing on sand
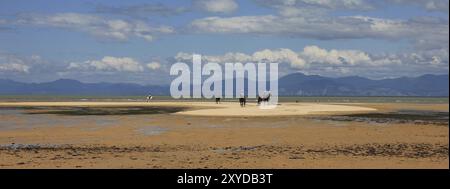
x: 242, y: 99
x: 259, y: 100
x: 149, y: 97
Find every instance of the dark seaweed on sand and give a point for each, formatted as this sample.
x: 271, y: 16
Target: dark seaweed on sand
x: 80, y: 111
x: 402, y: 116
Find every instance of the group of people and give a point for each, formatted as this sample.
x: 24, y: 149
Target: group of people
x: 243, y: 100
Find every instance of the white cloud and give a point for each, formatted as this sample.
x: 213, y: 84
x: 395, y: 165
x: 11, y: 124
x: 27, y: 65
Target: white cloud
x: 266, y: 55
x: 14, y: 67
x: 313, y: 56
x: 437, y: 57
x: 311, y: 60
x: 319, y: 28
x: 430, y: 5
x: 116, y: 29
x: 217, y: 6
x: 13, y: 63
x: 424, y: 32
x: 280, y: 55
x: 314, y: 19
x: 154, y: 65
x: 109, y: 63
x: 302, y: 5
x: 241, y: 24
x: 142, y: 10
x: 230, y: 57
x: 338, y: 57
x: 358, y: 5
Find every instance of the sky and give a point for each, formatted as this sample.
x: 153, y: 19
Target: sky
x: 137, y: 41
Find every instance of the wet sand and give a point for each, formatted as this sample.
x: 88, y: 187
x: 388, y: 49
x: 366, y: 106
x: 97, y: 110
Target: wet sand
x: 297, y: 136
x: 211, y: 109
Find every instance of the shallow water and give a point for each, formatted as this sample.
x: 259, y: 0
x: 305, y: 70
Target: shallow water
x: 341, y: 99
x: 151, y: 130
x: 19, y: 119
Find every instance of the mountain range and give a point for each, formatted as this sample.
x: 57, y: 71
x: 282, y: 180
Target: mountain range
x: 299, y: 84
x: 296, y: 84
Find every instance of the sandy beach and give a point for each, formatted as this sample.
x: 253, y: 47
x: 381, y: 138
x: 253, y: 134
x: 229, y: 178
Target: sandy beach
x: 209, y: 135
x: 212, y: 109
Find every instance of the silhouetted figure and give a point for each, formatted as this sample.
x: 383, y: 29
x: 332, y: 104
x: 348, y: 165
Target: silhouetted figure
x: 149, y: 97
x: 259, y: 100
x: 242, y: 100
x: 217, y: 100
x: 265, y: 98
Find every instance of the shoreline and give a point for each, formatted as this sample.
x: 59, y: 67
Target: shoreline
x: 212, y: 109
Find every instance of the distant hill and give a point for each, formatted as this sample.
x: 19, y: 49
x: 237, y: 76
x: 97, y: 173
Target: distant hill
x: 74, y: 87
x: 312, y: 85
x: 296, y: 84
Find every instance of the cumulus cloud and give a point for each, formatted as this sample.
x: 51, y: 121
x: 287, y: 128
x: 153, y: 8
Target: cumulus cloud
x: 13, y: 63
x: 436, y: 58
x: 14, y: 67
x: 108, y: 63
x: 336, y: 57
x: 314, y: 58
x: 266, y: 55
x: 217, y: 6
x: 280, y: 55
x: 154, y: 65
x: 340, y: 62
x: 116, y: 29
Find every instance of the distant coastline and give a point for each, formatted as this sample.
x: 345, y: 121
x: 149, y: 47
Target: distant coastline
x: 296, y: 84
x: 282, y: 99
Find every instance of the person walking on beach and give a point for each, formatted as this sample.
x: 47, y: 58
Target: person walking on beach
x: 149, y: 97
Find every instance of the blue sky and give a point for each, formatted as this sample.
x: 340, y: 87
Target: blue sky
x: 137, y: 41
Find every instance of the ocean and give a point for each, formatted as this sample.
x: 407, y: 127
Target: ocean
x: 323, y: 99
